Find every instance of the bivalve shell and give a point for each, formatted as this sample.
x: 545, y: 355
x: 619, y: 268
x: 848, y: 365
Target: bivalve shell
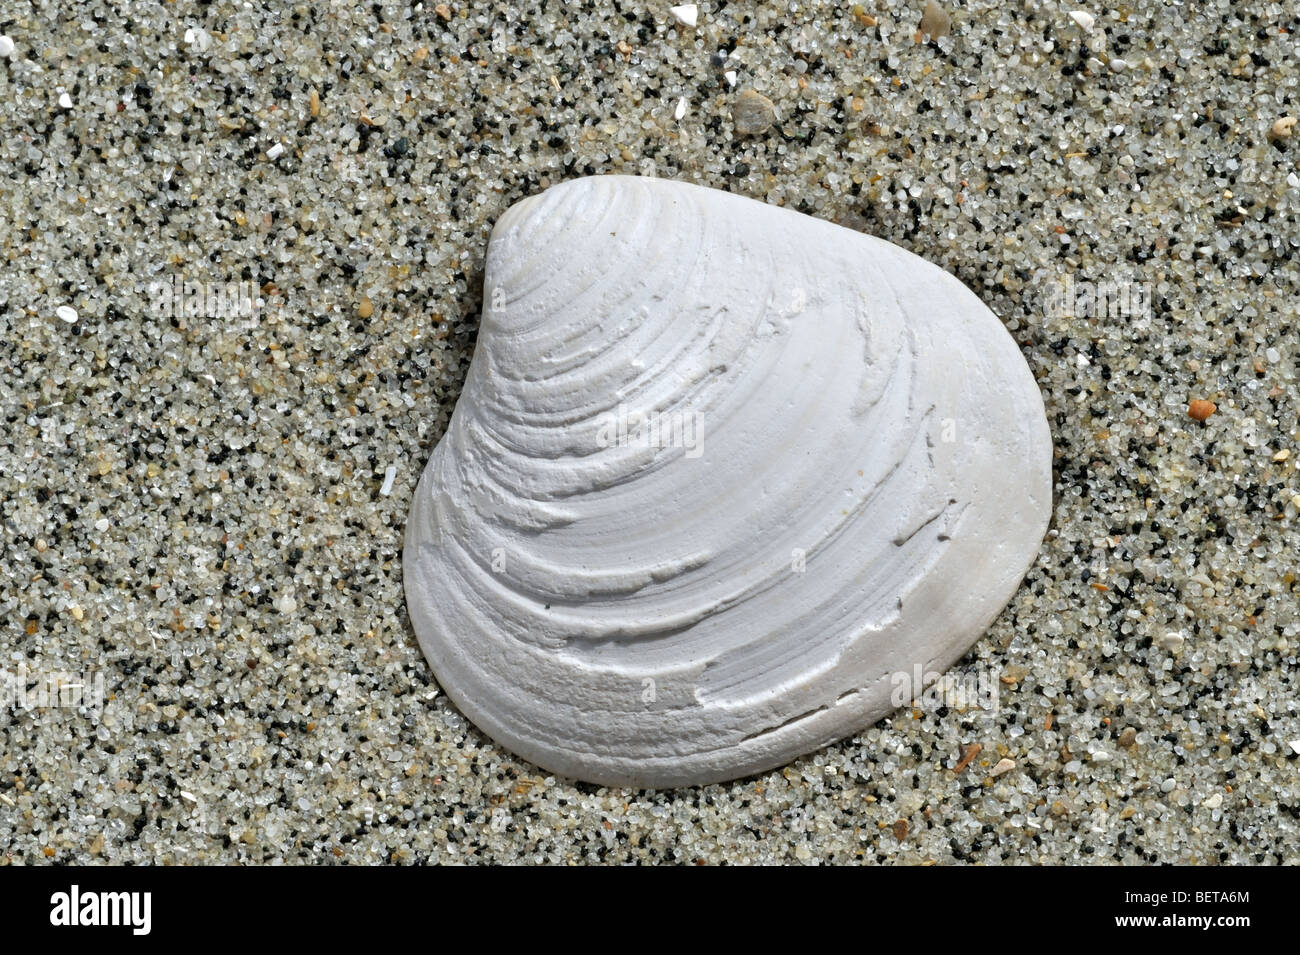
x: 722, y: 478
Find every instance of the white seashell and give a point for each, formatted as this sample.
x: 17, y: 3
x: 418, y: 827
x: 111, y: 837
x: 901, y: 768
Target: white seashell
x: 1083, y: 19
x: 1173, y: 641
x: 850, y: 474
x: 687, y: 14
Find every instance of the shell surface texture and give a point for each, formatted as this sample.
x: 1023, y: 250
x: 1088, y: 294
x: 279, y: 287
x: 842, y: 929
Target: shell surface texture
x: 721, y: 479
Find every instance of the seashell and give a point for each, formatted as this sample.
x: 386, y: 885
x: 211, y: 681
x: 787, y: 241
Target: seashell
x: 753, y: 113
x: 721, y: 477
x: 935, y: 22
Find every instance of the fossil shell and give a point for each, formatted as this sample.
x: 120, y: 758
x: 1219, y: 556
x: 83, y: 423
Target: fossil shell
x: 719, y: 474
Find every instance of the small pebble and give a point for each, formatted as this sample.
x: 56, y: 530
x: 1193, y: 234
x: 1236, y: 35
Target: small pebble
x: 1003, y: 766
x: 753, y: 113
x: 390, y: 474
x: 687, y: 14
x: 6, y: 46
x: 1128, y: 737
x: 935, y: 21
x: 1295, y: 746
x: 680, y: 111
x: 1084, y: 19
x: 200, y: 39
x: 1172, y: 641
x: 65, y: 101
x: 365, y: 308
x: 67, y: 314
x: 1283, y: 128
x: 275, y: 152
x: 1200, y: 409
x: 730, y: 77
x: 1214, y: 802
x: 968, y: 754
